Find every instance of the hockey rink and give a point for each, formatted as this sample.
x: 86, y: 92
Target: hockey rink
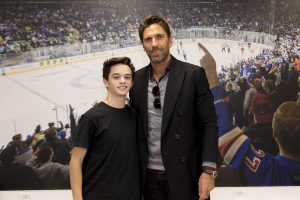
x: 42, y: 95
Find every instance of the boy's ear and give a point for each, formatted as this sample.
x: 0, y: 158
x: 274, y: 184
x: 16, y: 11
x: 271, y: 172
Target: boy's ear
x: 105, y: 83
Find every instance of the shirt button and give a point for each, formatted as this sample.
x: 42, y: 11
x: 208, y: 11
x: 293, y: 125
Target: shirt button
x: 180, y: 113
x: 177, y: 136
x: 182, y: 159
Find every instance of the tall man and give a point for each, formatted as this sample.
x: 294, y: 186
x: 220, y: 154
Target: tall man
x: 104, y: 162
x: 177, y: 121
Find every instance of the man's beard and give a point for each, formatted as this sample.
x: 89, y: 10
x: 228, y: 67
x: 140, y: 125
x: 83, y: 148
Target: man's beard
x: 161, y: 58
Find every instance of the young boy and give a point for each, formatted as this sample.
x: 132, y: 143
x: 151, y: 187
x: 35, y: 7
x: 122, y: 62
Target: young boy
x: 104, y: 163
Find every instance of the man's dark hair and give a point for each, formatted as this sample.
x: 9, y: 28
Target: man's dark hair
x: 148, y: 21
x: 115, y: 61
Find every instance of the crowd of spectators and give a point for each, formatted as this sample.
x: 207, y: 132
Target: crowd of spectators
x: 254, y: 88
x: 30, y: 25
x: 41, y: 161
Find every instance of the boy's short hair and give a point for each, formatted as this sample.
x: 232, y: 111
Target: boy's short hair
x: 115, y: 61
x: 148, y: 21
x: 286, y: 127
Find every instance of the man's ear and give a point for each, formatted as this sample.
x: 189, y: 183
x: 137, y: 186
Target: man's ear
x: 171, y: 41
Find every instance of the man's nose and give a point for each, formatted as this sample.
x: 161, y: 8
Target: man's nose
x: 154, y: 42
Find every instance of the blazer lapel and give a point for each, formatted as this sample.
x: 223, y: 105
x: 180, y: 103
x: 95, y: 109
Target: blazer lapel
x: 175, y: 81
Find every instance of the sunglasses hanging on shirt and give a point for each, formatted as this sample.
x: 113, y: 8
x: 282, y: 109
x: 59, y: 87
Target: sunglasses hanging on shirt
x: 156, y: 94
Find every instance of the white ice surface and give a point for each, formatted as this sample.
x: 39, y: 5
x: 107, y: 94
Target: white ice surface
x: 28, y: 99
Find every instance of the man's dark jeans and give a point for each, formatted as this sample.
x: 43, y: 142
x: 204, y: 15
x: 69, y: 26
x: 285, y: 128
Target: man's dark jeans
x: 156, y: 186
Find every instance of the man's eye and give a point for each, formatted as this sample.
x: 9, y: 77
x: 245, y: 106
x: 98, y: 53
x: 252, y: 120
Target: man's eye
x: 148, y: 39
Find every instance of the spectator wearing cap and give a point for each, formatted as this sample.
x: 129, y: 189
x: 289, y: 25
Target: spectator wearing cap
x: 62, y: 137
x: 261, y: 130
x: 62, y: 134
x: 61, y: 149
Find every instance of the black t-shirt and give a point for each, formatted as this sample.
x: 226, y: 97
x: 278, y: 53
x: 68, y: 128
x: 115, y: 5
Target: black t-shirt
x: 110, y: 167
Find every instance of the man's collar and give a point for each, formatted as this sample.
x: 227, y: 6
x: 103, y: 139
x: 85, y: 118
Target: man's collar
x: 166, y: 71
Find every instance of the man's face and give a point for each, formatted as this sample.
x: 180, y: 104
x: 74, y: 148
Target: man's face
x: 119, y: 80
x: 156, y: 43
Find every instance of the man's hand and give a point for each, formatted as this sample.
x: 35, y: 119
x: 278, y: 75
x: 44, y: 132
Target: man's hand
x: 209, y: 65
x: 205, y: 185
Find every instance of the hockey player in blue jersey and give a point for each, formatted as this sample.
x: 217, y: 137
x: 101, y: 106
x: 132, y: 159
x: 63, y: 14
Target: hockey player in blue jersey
x: 258, y: 168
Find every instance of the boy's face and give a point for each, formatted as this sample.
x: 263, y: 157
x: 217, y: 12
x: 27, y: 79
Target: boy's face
x: 156, y: 43
x: 119, y: 80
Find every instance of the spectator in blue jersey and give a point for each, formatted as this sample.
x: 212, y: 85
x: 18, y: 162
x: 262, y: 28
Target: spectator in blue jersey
x: 257, y: 167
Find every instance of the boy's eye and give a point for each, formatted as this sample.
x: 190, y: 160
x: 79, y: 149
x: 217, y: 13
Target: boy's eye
x: 116, y: 76
x: 127, y: 76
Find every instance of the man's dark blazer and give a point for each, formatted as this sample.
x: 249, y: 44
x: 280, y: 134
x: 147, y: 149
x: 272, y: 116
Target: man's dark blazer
x: 189, y: 126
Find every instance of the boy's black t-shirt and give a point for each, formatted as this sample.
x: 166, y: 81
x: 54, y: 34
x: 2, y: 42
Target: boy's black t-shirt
x: 110, y: 167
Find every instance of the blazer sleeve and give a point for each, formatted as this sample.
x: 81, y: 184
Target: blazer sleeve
x: 207, y: 118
